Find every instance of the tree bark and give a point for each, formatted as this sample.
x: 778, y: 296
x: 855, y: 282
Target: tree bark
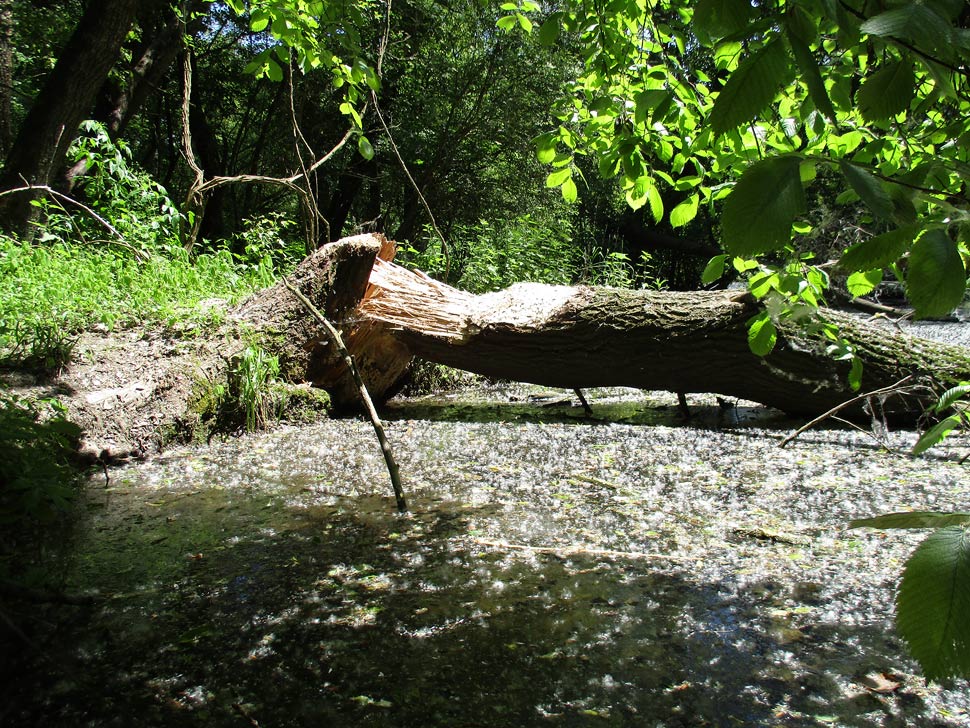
x: 6, y: 73
x: 69, y: 93
x: 677, y: 341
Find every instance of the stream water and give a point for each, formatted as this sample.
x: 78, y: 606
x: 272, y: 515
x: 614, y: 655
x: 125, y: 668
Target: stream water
x: 624, y: 569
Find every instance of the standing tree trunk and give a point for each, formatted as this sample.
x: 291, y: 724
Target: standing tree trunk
x: 68, y: 95
x: 6, y: 73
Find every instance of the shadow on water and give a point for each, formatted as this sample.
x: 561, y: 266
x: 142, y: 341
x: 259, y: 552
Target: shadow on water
x: 522, y: 403
x: 231, y: 611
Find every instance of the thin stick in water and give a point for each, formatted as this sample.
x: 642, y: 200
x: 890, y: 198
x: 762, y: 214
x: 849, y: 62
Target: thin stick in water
x: 392, y: 468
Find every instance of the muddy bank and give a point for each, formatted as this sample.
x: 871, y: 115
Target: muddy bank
x: 627, y: 570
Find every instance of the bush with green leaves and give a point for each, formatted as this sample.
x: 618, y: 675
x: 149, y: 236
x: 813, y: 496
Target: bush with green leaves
x: 135, y: 205
x: 37, y: 443
x: 488, y: 256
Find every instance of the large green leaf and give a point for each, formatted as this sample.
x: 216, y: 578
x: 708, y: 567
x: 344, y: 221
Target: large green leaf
x: 810, y: 74
x: 934, y: 601
x: 951, y: 396
x: 934, y: 436
x: 879, y: 250
x: 762, y: 334
x: 887, y: 92
x: 863, y: 282
x: 684, y: 212
x: 751, y: 87
x: 759, y: 212
x: 936, y: 278
x: 869, y: 189
x: 912, y: 519
x: 913, y: 21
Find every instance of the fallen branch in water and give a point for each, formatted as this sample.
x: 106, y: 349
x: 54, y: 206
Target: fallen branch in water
x: 392, y: 468
x: 895, y: 388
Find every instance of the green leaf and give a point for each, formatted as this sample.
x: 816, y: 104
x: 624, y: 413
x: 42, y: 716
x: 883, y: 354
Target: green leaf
x: 934, y: 601
x: 936, y: 278
x: 259, y: 21
x: 636, y: 193
x: 568, y: 189
x: 914, y: 21
x: 762, y: 334
x: 878, y: 251
x: 546, y: 147
x: 912, y: 519
x: 656, y: 201
x: 862, y: 283
x: 751, y: 87
x: 811, y: 75
x: 684, y: 212
x: 524, y: 22
x: 507, y: 22
x: 951, y: 396
x: 887, y: 92
x: 555, y: 179
x: 934, y: 436
x: 549, y: 30
x: 759, y: 212
x: 273, y: 70
x: 855, y: 374
x: 869, y: 188
x: 365, y: 148
x: 714, y: 269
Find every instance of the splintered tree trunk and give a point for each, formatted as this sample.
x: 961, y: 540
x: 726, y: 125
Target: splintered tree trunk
x: 575, y: 337
x: 550, y: 335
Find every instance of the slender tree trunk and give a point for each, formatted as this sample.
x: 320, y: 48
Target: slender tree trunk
x: 68, y: 95
x: 6, y: 73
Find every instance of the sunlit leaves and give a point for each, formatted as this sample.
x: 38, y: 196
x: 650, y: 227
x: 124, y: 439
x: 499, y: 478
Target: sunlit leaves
x: 862, y: 283
x: 751, y: 87
x: 933, y: 602
x: 684, y: 212
x: 365, y: 148
x: 762, y: 334
x: 714, y: 269
x: 759, y: 212
x: 718, y: 18
x: 936, y: 277
x: 888, y: 91
x: 934, y: 436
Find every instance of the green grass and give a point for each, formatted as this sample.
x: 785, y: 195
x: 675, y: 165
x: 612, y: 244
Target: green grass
x: 49, y: 294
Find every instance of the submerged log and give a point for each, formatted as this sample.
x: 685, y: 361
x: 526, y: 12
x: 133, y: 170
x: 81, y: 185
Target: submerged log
x: 576, y: 337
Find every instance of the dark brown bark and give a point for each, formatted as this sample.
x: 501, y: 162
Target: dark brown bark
x: 68, y: 95
x: 6, y: 73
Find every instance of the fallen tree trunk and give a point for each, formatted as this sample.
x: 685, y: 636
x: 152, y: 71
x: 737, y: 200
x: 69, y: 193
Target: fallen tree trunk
x: 575, y: 337
x: 136, y: 395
